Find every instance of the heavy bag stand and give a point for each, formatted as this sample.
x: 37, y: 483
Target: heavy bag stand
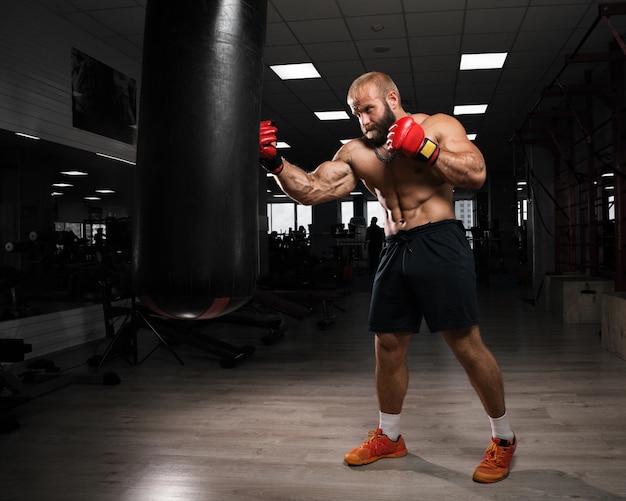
x: 135, y: 318
x: 124, y: 341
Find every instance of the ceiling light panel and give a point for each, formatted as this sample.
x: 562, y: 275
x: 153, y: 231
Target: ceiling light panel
x: 332, y: 115
x: 295, y: 71
x: 483, y: 61
x: 73, y: 173
x: 470, y: 109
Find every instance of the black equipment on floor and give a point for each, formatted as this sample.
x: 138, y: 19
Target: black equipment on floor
x: 27, y: 380
x: 167, y: 331
x: 124, y: 341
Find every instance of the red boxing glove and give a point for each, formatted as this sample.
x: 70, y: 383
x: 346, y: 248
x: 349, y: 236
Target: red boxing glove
x: 407, y: 136
x: 267, y: 148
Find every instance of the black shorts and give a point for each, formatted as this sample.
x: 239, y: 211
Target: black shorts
x: 426, y: 272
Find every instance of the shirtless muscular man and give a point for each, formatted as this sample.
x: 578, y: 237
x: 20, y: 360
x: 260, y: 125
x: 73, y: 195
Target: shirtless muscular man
x: 411, y: 164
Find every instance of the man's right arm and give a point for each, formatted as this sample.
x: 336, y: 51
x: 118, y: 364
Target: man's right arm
x: 329, y: 181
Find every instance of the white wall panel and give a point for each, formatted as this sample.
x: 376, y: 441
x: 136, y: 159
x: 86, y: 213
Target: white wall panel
x: 56, y: 331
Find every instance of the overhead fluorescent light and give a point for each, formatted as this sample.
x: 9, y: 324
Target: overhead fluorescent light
x: 105, y: 192
x: 472, y: 137
x: 470, y: 109
x: 115, y: 158
x: 56, y: 194
x: 332, y: 115
x: 27, y: 136
x: 608, y: 174
x: 295, y: 71
x: 92, y: 198
x: 73, y: 173
x: 485, y: 61
x: 62, y: 185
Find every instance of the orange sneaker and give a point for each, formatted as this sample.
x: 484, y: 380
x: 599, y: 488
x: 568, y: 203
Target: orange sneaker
x: 378, y: 446
x: 495, y: 465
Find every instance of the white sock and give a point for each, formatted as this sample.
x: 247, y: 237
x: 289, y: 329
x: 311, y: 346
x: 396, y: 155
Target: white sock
x: 500, y: 428
x: 390, y: 425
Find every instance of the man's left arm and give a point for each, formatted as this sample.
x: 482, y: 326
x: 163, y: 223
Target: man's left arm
x: 441, y: 142
x: 460, y: 162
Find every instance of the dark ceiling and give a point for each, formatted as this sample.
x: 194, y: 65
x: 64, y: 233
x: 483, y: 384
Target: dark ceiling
x: 417, y: 42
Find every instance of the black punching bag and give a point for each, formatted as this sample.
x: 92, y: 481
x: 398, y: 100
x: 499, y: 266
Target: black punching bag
x: 195, y: 229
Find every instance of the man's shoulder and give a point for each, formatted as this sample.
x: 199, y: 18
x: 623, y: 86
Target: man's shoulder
x: 354, y: 150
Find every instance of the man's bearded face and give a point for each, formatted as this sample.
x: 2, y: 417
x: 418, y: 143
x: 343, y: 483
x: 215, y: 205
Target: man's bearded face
x: 376, y: 132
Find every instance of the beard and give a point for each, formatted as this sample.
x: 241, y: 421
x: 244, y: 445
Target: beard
x: 376, y: 133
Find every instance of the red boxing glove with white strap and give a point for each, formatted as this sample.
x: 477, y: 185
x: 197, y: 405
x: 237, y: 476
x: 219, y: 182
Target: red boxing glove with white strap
x: 407, y: 136
x: 270, y: 161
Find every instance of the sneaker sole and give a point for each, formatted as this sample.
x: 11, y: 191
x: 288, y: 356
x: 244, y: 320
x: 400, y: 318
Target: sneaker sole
x: 371, y: 460
x: 489, y: 480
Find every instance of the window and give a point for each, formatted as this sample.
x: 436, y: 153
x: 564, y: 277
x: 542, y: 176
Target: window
x: 283, y: 216
x: 374, y: 209
x: 611, y: 201
x: 464, y: 211
x: 347, y: 212
x: 304, y: 216
x: 522, y: 212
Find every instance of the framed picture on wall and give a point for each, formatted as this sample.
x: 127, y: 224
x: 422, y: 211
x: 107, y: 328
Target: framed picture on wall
x: 104, y: 100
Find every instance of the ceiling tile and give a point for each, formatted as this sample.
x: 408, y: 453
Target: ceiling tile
x: 319, y: 9
x: 434, y: 77
x: 435, y: 23
x: 435, y: 45
x: 487, y: 42
x: 361, y: 8
x: 375, y: 49
x: 361, y: 27
x: 494, y: 20
x: 496, y: 4
x: 541, y: 40
x: 279, y: 34
x: 321, y: 30
x: 342, y: 69
x: 554, y: 17
x: 439, y: 5
x: 426, y: 64
x: 286, y: 54
x: 522, y: 59
x: 332, y: 51
x: 431, y: 91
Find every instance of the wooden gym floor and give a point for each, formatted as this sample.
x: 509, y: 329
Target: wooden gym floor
x: 276, y: 426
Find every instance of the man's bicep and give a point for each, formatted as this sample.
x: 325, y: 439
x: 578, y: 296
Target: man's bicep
x: 336, y: 177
